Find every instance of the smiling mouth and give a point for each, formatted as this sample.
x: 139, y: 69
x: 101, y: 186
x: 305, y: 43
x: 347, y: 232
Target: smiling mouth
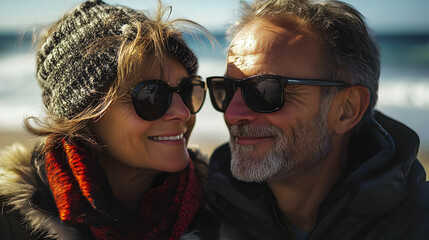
x: 167, y: 138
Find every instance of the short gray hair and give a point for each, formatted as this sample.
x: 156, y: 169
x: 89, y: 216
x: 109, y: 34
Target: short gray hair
x: 352, y: 54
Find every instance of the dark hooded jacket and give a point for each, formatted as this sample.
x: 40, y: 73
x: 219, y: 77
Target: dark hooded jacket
x: 382, y: 193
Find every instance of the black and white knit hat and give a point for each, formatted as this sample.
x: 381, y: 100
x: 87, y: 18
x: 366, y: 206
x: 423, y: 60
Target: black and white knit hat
x: 72, y: 79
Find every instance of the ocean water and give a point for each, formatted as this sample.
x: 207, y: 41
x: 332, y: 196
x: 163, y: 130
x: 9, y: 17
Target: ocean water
x: 403, y: 92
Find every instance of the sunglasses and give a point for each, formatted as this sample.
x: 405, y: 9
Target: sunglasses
x: 262, y: 93
x: 152, y: 98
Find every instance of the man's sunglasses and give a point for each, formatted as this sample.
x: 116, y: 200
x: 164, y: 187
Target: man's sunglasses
x: 262, y: 93
x: 152, y: 98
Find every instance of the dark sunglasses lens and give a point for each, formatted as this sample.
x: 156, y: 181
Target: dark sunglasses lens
x: 151, y: 100
x: 263, y: 94
x: 221, y: 93
x: 193, y: 93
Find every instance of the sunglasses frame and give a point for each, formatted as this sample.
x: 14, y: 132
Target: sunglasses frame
x: 284, y: 81
x: 192, y: 79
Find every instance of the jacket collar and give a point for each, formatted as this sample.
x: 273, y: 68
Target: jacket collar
x: 19, y: 182
x: 389, y: 173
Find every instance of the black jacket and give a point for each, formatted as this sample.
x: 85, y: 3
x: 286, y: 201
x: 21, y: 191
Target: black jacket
x: 28, y: 210
x: 382, y: 194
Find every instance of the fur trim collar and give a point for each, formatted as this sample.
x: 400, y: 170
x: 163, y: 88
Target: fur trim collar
x: 18, y: 184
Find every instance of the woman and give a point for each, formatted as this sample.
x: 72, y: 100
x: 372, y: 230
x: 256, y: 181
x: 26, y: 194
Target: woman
x: 121, y: 92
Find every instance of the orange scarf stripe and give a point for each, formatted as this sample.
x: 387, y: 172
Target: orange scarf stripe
x: 59, y: 173
x: 80, y: 168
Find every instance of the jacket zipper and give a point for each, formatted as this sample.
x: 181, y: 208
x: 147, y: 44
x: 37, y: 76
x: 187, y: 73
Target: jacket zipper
x: 333, y: 210
x: 282, y: 226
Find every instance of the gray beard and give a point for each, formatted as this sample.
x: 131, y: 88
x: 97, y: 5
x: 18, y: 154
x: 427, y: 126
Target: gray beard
x: 303, y: 147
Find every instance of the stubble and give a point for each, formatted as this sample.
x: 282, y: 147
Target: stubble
x: 302, y: 146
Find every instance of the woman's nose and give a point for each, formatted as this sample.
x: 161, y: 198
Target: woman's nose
x: 177, y: 110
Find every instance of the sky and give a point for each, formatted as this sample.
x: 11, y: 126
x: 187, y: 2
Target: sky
x: 385, y: 16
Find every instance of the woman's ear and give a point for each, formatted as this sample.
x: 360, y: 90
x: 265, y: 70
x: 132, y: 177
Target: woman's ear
x: 352, y: 104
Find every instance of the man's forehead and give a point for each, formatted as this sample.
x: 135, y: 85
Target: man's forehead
x: 263, y: 36
x: 244, y: 45
x: 263, y: 46
x: 247, y: 42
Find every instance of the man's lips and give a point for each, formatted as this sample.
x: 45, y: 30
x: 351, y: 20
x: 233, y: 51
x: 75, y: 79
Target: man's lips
x: 251, y: 139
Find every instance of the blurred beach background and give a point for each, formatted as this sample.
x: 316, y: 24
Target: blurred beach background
x: 401, y: 29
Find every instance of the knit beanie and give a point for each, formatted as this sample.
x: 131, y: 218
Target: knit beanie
x: 72, y: 79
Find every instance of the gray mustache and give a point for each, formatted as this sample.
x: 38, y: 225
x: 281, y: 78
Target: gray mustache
x: 254, y: 130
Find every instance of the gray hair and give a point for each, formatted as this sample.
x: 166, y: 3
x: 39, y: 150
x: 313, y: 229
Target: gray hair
x: 352, y: 55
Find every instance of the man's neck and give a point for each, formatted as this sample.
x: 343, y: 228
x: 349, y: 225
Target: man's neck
x: 299, y: 197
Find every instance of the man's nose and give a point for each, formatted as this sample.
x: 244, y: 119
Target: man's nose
x: 238, y: 111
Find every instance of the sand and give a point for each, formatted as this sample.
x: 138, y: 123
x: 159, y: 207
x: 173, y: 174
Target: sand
x: 7, y: 138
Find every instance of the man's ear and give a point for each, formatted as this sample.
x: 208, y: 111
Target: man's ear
x: 352, y: 103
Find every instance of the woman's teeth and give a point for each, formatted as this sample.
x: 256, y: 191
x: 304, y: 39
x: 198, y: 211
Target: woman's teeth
x: 169, y: 138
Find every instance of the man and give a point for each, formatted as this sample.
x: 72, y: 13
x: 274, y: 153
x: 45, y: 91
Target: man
x: 309, y: 158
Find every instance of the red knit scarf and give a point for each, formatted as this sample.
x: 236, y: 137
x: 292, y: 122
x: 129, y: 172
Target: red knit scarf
x: 165, y: 211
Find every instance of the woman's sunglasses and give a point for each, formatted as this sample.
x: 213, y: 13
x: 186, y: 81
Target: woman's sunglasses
x: 262, y: 93
x: 152, y: 98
